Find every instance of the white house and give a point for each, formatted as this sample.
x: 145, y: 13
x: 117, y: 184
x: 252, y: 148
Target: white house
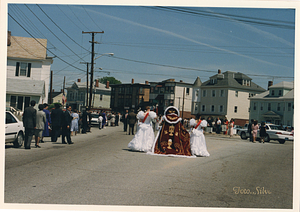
x: 76, y: 95
x: 275, y: 105
x: 28, y: 71
x: 196, y: 97
x: 226, y: 95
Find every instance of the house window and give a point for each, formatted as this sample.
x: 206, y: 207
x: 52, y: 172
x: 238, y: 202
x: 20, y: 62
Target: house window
x: 204, y: 93
x: 272, y: 92
x: 279, y: 93
x: 235, y: 109
x: 213, y: 94
x: 81, y: 96
x: 254, y: 106
x: 289, y: 106
x: 187, y: 91
x: 222, y: 93
x: 261, y: 106
x: 71, y: 95
x: 196, y: 107
x: 212, y: 108
x: 152, y: 89
x: 269, y: 106
x: 278, y: 107
x: 203, y: 108
x: 13, y: 101
x: 101, y: 97
x: 172, y: 89
x: 23, y: 69
x: 161, y: 90
x: 221, y: 109
x: 197, y: 93
x: 236, y: 93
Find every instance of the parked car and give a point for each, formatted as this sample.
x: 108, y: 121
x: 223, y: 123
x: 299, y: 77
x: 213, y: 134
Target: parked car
x: 273, y: 134
x: 94, y: 120
x: 14, y: 130
x: 18, y: 113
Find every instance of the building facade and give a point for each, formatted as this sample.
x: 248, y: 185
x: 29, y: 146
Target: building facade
x: 275, y: 105
x: 28, y: 71
x: 171, y: 93
x: 226, y: 95
x: 129, y: 96
x: 77, y: 95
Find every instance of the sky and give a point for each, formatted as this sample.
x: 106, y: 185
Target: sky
x: 155, y: 43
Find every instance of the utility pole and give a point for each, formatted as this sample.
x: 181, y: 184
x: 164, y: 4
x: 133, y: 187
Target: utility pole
x: 183, y: 102
x: 64, y: 89
x: 51, y: 82
x: 92, y: 65
x: 87, y: 82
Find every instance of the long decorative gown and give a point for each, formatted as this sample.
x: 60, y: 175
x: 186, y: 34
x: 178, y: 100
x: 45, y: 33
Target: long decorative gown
x: 144, y: 137
x: 198, y: 144
x: 172, y: 139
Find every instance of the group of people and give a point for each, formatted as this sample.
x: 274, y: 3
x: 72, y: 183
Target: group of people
x: 172, y: 138
x: 253, y: 128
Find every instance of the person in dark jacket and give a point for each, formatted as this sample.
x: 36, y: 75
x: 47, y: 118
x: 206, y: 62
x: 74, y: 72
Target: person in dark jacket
x: 56, y: 121
x: 263, y: 132
x: 131, y: 121
x: 125, y: 120
x: 250, y: 129
x: 29, y: 121
x: 66, y: 125
x: 84, y: 121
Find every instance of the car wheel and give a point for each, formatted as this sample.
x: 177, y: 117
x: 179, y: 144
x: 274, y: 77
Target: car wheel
x: 19, y: 140
x: 281, y: 141
x: 243, y: 136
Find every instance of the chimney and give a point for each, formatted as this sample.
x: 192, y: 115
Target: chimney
x: 270, y: 83
x: 219, y: 71
x: 78, y: 80
x: 107, y: 84
x: 146, y: 82
x: 8, y: 38
x: 62, y: 90
x: 132, y: 81
x: 53, y: 90
x: 97, y: 83
x: 180, y: 81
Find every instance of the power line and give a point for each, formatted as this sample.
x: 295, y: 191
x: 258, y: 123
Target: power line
x: 91, y: 18
x: 78, y: 18
x: 192, y: 69
x: 43, y: 45
x: 61, y: 29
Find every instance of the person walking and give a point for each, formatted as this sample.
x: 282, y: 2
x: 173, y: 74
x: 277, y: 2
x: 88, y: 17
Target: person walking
x: 112, y: 119
x: 250, y: 130
x: 144, y: 138
x: 263, y: 132
x: 40, y: 125
x: 117, y: 119
x: 100, y: 120
x: 29, y: 121
x: 219, y: 123
x: 131, y: 121
x: 74, y: 123
x: 198, y: 144
x: 46, y: 132
x: 66, y: 126
x: 56, y: 121
x: 125, y: 120
x: 84, y: 121
x: 230, y: 128
x: 254, y: 131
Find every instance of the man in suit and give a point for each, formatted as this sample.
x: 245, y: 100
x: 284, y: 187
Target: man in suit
x: 66, y: 125
x: 29, y: 121
x: 56, y: 121
x: 125, y: 120
x: 131, y: 121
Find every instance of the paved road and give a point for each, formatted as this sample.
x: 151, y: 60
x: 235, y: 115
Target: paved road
x: 98, y: 169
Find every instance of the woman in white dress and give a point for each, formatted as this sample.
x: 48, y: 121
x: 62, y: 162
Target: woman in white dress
x: 198, y: 144
x: 144, y: 138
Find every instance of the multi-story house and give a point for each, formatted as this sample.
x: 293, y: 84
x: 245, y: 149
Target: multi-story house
x: 275, y: 105
x: 171, y: 93
x: 28, y: 71
x: 77, y: 95
x: 196, y: 98
x: 226, y: 95
x: 129, y: 96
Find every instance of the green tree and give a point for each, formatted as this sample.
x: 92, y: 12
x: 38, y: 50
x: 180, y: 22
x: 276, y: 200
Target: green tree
x: 111, y: 80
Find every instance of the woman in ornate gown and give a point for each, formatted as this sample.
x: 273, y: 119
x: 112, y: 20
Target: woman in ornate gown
x: 198, y: 144
x: 144, y: 137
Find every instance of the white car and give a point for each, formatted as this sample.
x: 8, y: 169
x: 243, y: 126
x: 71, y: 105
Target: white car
x: 14, y: 130
x: 94, y: 120
x: 274, y: 133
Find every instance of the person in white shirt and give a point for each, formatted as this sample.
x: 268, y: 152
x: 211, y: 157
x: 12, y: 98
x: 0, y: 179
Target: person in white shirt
x: 100, y: 119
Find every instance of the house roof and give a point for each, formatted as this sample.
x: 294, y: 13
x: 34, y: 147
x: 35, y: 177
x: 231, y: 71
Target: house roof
x: 283, y: 84
x: 25, y: 86
x: 82, y: 85
x: 197, y: 82
x: 230, y: 79
x: 27, y: 48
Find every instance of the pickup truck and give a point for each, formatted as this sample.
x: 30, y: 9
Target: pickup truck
x: 273, y: 131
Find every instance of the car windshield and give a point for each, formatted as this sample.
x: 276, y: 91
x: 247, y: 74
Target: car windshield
x: 94, y: 115
x: 274, y: 127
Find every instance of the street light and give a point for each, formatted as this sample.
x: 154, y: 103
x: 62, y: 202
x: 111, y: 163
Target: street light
x: 109, y: 54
